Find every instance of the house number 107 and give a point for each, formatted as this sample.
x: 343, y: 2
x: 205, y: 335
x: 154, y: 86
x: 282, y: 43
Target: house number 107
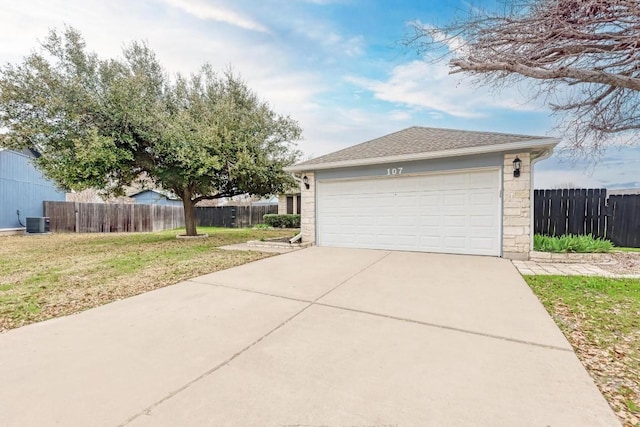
x: 394, y: 171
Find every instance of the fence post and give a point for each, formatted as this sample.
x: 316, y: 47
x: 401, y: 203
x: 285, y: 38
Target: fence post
x: 77, y: 214
x: 233, y: 216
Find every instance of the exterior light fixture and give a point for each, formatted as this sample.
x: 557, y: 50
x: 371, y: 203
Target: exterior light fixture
x: 305, y: 180
x: 516, y: 167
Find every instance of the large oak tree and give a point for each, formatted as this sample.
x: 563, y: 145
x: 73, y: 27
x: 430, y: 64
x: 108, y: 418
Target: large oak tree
x: 109, y: 123
x: 583, y: 56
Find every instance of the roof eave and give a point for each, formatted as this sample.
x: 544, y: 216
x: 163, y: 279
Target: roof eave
x: 467, y: 151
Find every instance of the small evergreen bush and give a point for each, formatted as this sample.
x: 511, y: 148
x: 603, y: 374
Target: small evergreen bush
x: 282, y: 221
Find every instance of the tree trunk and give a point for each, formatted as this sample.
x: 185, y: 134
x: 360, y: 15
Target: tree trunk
x: 189, y: 216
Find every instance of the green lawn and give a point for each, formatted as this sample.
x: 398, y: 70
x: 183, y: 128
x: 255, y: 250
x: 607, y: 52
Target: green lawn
x: 601, y: 319
x: 52, y: 275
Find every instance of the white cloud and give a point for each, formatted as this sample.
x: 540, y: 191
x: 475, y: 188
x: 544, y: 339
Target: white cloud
x: 354, y: 46
x: 333, y: 42
x: 400, y: 116
x: 429, y: 86
x: 453, y: 43
x: 332, y: 129
x: 203, y: 10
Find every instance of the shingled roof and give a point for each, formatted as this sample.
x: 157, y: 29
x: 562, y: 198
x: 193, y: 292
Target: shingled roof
x: 414, y: 141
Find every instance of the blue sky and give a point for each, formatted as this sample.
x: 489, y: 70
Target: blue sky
x: 334, y: 65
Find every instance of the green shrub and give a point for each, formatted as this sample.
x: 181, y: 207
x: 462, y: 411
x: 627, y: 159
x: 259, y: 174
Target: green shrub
x: 282, y: 221
x: 570, y: 243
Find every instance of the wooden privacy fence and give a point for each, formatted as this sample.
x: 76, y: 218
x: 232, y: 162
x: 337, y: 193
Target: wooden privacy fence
x: 111, y: 218
x: 588, y: 211
x: 233, y: 216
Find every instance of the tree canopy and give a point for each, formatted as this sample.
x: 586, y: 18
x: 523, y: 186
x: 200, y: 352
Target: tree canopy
x: 110, y: 123
x: 583, y: 56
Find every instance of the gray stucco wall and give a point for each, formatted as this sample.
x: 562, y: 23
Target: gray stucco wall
x: 22, y: 187
x: 421, y: 166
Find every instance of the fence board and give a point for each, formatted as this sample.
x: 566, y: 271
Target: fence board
x: 110, y: 218
x: 576, y: 212
x: 546, y: 214
x: 233, y: 216
x: 624, y: 217
x: 588, y: 211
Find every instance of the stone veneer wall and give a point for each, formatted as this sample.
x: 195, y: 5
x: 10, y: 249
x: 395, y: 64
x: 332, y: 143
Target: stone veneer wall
x: 308, y: 200
x: 516, y: 214
x: 282, y: 204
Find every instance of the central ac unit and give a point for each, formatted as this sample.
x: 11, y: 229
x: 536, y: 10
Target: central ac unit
x: 38, y: 225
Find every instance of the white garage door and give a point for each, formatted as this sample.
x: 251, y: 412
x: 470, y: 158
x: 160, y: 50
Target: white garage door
x: 447, y: 212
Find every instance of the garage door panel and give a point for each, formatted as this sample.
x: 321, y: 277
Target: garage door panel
x: 455, y: 182
x: 429, y: 221
x: 482, y: 221
x: 453, y: 221
x: 455, y: 242
x: 483, y: 181
x: 387, y: 204
x: 367, y: 221
x: 431, y: 241
x: 482, y: 198
x: 431, y: 199
x: 407, y: 240
x: 454, y: 232
x: 405, y: 201
x: 449, y: 212
x: 454, y: 201
x: 425, y: 230
x: 481, y: 243
x: 349, y: 221
x: 382, y: 220
x: 368, y: 199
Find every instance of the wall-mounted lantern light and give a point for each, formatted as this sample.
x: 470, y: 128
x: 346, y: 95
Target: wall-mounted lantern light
x: 305, y: 180
x: 516, y: 167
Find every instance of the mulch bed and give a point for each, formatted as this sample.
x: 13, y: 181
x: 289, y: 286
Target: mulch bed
x: 622, y: 263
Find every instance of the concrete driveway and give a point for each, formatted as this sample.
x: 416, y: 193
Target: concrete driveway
x: 318, y: 337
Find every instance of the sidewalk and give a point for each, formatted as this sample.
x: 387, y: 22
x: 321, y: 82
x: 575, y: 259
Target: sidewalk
x: 566, y: 269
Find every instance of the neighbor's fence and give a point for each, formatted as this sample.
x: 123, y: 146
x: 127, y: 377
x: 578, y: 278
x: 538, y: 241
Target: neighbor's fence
x: 588, y: 211
x: 233, y: 216
x: 112, y: 218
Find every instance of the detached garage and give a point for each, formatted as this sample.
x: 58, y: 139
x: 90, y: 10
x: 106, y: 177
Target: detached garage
x: 424, y: 189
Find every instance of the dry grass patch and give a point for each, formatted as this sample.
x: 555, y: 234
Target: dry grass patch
x: 53, y: 275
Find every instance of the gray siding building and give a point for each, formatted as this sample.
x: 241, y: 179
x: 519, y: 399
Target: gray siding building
x: 23, y: 188
x: 152, y: 197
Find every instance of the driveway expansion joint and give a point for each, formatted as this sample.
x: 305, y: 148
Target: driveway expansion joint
x: 149, y: 409
x: 449, y: 328
x: 387, y: 316
x: 253, y: 291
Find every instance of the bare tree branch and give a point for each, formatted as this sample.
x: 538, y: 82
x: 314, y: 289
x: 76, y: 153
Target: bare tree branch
x: 583, y: 54
x: 582, y: 76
